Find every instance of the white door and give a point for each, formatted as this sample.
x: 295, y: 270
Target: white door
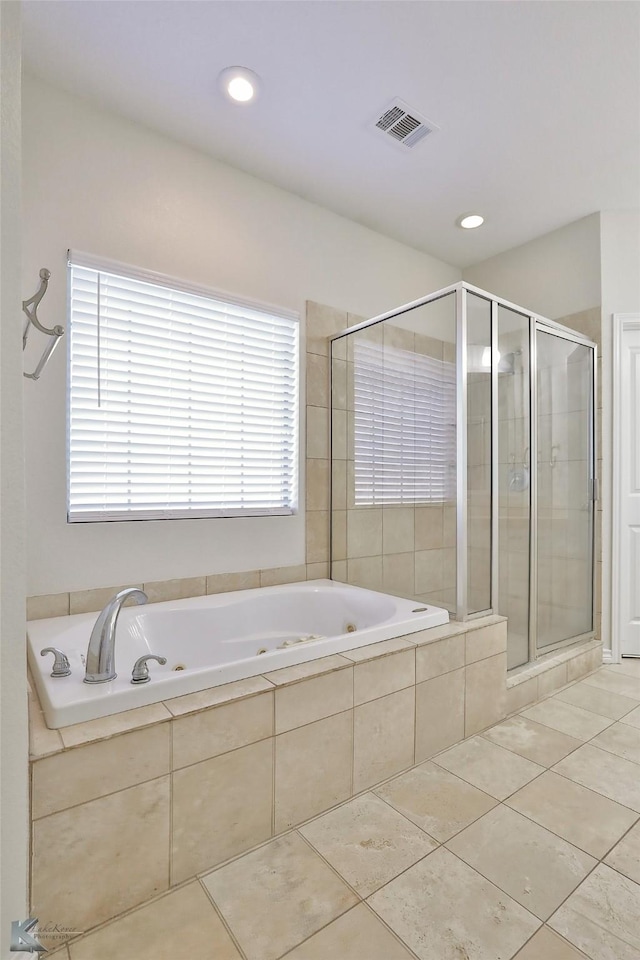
x: 627, y: 591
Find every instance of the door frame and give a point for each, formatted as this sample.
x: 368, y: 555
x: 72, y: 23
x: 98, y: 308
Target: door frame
x: 621, y: 323
x: 539, y: 325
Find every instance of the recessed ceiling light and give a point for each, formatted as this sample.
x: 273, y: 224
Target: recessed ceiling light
x: 240, y: 84
x: 469, y: 221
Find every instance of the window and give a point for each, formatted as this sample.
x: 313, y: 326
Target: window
x: 181, y: 403
x: 404, y: 426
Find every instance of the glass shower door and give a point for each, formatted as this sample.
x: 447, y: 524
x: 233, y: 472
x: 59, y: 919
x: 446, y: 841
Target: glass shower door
x: 565, y: 472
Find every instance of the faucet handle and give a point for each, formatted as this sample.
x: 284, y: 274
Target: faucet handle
x: 61, y: 666
x: 140, y: 672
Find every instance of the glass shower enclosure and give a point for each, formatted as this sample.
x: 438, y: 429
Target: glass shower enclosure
x: 463, y: 464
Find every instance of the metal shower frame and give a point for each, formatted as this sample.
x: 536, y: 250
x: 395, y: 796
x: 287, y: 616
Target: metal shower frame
x: 536, y: 323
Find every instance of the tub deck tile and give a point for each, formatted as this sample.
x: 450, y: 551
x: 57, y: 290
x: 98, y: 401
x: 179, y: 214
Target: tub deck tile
x: 225, y: 693
x: 105, y: 727
x: 303, y: 671
x: 381, y: 649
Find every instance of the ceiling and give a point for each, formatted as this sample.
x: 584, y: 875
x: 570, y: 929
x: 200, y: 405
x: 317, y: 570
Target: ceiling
x: 538, y: 103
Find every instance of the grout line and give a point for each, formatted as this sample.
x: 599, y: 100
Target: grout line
x: 352, y: 765
x: 129, y: 911
x: 273, y: 768
x: 171, y: 773
x: 103, y: 796
x: 221, y: 917
x: 545, y: 926
x: 635, y: 824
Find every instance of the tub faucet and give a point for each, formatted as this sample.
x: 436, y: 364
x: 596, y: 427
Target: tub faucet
x: 101, y: 650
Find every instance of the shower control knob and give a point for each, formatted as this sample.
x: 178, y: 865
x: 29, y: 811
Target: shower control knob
x: 61, y: 666
x: 140, y: 672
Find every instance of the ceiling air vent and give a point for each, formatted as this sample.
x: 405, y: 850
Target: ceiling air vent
x: 403, y: 125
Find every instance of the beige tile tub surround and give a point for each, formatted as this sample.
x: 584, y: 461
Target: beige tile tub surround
x: 220, y: 807
x: 89, y: 862
x: 250, y: 759
x: 313, y: 769
x: 503, y: 867
x: 77, y: 776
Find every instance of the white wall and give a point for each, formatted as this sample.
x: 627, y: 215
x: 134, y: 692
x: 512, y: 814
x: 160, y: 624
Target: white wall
x: 103, y: 185
x: 554, y: 275
x: 14, y: 809
x: 620, y: 245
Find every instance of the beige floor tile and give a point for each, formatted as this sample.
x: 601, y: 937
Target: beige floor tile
x: 532, y: 865
x: 497, y: 771
x: 78, y: 890
x: 444, y: 910
x: 313, y: 769
x: 547, y: 945
x: 220, y: 808
x: 625, y: 856
x: 574, y: 721
x: 367, y: 842
x: 584, y: 818
x: 436, y: 800
x: 633, y: 718
x: 277, y: 896
x: 383, y: 738
x: 622, y: 683
x: 603, y: 702
x: 182, y: 924
x: 532, y: 740
x: 602, y: 917
x: 356, y: 935
x: 605, y: 773
x: 629, y: 666
x: 621, y: 739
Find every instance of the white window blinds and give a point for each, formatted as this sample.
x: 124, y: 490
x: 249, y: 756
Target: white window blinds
x: 404, y: 426
x: 180, y: 404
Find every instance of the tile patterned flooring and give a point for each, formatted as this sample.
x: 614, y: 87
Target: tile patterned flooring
x: 522, y: 842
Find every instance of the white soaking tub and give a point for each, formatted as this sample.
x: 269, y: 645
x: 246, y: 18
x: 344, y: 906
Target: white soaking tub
x: 212, y: 640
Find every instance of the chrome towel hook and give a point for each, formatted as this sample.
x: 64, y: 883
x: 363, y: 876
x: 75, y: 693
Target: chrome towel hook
x: 30, y: 307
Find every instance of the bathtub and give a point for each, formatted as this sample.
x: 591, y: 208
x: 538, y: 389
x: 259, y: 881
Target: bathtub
x: 212, y: 640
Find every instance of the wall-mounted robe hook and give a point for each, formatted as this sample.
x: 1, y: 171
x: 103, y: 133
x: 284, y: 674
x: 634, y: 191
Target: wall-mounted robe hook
x: 30, y: 307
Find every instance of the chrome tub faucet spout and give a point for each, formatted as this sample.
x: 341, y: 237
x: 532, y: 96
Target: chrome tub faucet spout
x: 101, y: 650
